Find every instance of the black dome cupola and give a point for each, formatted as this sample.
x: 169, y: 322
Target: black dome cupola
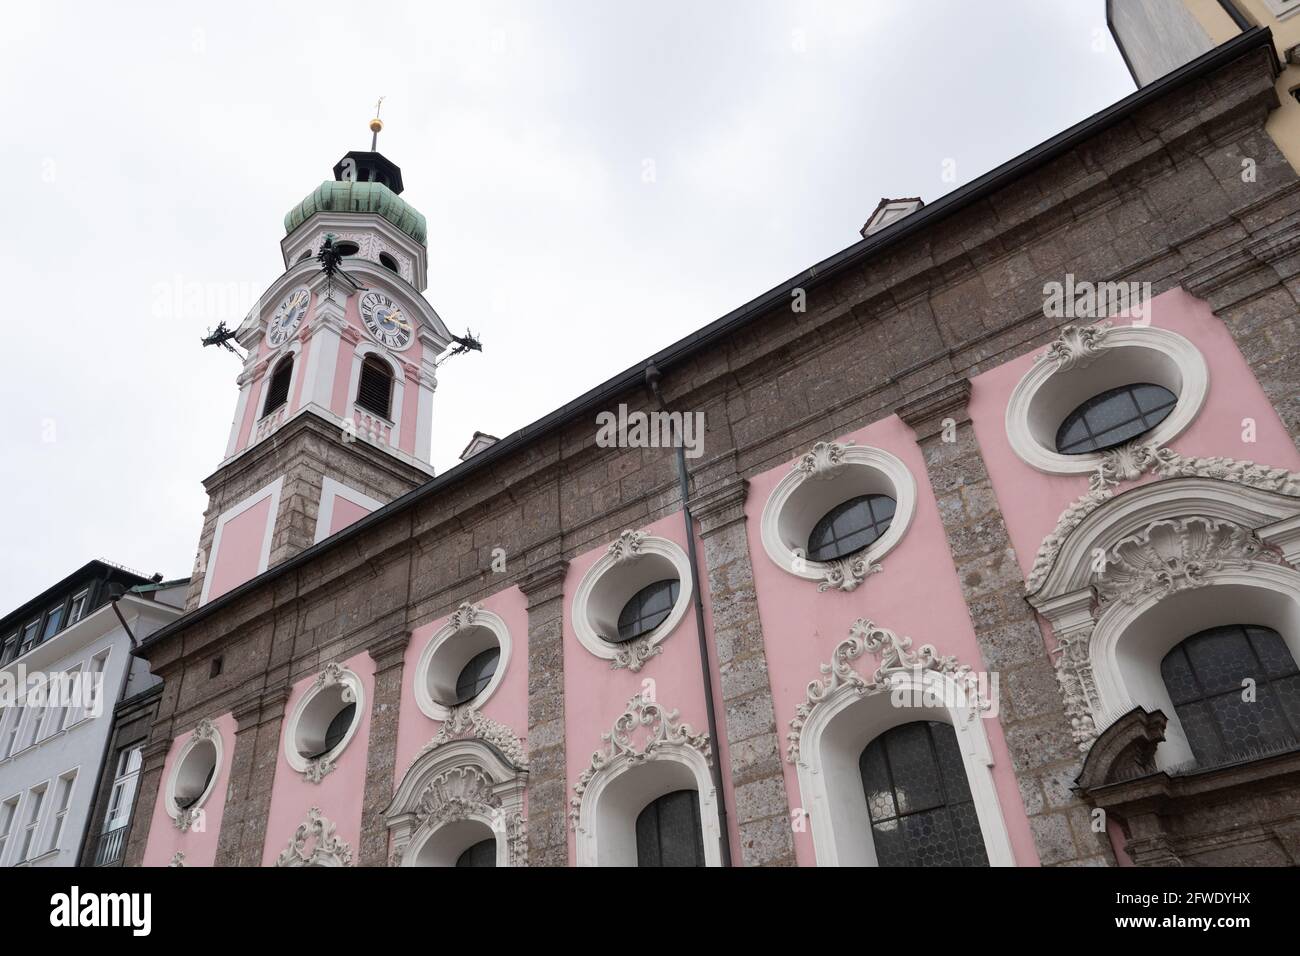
x: 369, y: 167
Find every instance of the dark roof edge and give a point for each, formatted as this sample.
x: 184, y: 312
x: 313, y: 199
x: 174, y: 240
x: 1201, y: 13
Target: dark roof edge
x: 104, y: 568
x: 684, y: 348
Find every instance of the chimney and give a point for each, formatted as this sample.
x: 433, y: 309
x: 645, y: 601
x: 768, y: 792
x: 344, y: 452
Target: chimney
x: 480, y: 442
x: 890, y: 211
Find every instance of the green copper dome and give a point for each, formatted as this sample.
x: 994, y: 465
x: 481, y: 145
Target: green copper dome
x: 350, y: 196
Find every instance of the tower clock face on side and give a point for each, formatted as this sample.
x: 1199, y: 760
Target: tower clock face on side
x: 386, y: 320
x: 287, y: 316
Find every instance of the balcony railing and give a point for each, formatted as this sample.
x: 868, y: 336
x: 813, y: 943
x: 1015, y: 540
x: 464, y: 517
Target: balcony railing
x: 111, y: 845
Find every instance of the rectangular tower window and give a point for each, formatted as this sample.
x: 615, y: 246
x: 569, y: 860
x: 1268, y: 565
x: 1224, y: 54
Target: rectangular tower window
x: 68, y: 685
x: 35, y: 799
x: 124, y: 784
x: 95, y: 674
x: 34, y: 723
x: 78, y: 608
x: 8, y: 811
x: 53, y: 621
x: 62, y: 800
x: 11, y: 731
x: 30, y: 633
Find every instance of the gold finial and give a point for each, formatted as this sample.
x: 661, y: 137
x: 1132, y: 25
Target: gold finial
x: 376, y: 125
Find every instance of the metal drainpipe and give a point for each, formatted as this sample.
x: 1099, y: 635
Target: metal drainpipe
x: 652, y: 377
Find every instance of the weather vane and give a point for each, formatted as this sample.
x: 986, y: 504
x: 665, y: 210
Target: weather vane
x: 376, y: 125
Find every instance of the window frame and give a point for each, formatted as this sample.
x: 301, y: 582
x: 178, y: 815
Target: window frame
x: 65, y: 784
x: 1227, y: 751
x: 373, y: 360
x: 35, y: 805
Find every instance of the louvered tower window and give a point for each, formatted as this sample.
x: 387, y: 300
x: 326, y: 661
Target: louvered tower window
x: 277, y: 393
x: 375, y: 390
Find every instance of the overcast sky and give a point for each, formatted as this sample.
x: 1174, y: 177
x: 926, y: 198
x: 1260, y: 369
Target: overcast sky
x: 151, y: 153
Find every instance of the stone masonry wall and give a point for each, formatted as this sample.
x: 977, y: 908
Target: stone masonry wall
x: 1156, y: 197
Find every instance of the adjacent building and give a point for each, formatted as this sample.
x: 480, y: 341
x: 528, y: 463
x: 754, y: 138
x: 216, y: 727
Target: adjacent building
x: 1156, y: 37
x: 66, y: 663
x: 977, y: 543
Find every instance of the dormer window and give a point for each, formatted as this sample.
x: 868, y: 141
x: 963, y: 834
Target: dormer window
x: 375, y: 388
x: 277, y: 392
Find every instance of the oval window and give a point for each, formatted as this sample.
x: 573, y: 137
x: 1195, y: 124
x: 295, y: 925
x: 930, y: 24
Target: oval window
x: 346, y: 248
x: 477, y: 674
x: 851, y: 526
x: 387, y: 261
x: 1114, y: 417
x: 647, y: 609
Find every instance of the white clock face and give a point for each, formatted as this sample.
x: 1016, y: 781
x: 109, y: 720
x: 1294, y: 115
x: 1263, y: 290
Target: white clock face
x: 386, y: 321
x: 284, y: 322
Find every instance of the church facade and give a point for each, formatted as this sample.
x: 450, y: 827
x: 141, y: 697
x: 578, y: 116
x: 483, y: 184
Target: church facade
x: 977, y: 543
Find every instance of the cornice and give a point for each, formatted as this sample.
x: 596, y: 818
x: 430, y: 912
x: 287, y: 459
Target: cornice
x: 544, y: 582
x: 720, y: 506
x: 925, y: 413
x: 389, y: 651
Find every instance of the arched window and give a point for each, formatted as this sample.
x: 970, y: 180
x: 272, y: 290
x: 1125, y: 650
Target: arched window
x: 483, y: 853
x: 1223, y: 716
x: 668, y: 831
x: 850, y: 526
x: 919, y: 801
x: 277, y: 391
x: 1114, y: 417
x: 647, y: 609
x: 477, y: 674
x: 375, y: 388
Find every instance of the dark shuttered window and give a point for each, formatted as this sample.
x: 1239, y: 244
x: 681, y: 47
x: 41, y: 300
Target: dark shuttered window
x: 375, y: 391
x: 277, y: 393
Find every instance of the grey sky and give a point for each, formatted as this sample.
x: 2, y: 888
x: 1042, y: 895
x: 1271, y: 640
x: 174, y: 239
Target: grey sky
x: 152, y: 151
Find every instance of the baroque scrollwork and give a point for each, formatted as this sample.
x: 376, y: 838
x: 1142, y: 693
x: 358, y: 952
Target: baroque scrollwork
x: 625, y: 742
x: 465, y: 616
x: 178, y: 859
x: 467, y: 722
x: 846, y: 574
x: 1077, y: 346
x: 1175, y: 554
x: 634, y: 655
x: 896, y: 658
x: 1078, y: 686
x: 1134, y: 460
x: 627, y: 546
x: 335, y: 673
x: 187, y: 817
x: 824, y: 460
x: 205, y: 730
x: 315, y: 843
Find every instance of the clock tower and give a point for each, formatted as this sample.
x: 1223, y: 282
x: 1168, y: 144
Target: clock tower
x: 334, y: 415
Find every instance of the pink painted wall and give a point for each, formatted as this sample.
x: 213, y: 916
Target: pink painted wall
x: 339, y: 794
x: 917, y: 595
x: 595, y: 695
x: 199, y: 846
x: 240, y: 550
x: 507, y: 705
x: 407, y: 416
x: 1032, y: 501
x: 345, y: 512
